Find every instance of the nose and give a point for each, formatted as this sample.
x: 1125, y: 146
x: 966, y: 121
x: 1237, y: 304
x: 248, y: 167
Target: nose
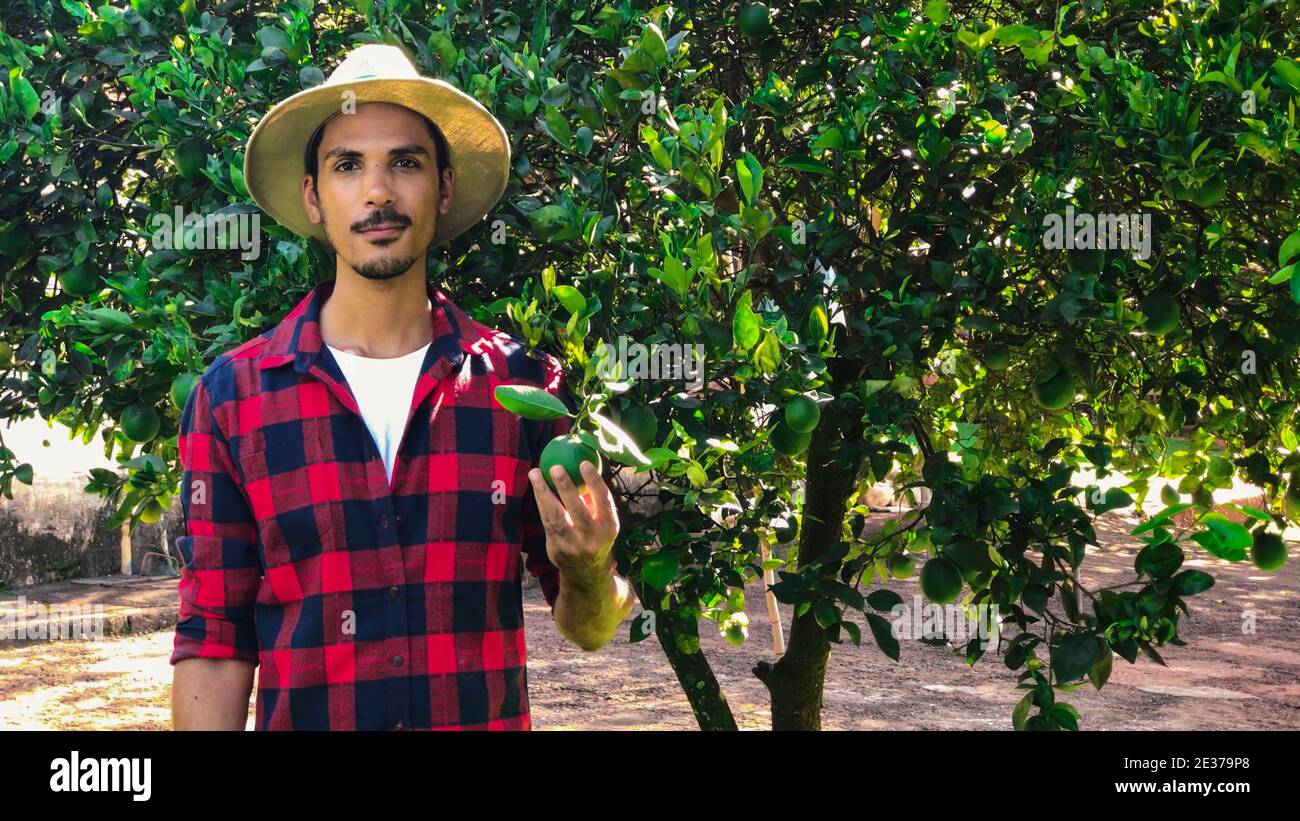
x: 378, y: 191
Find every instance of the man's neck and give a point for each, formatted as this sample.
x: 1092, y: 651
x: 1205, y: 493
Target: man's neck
x: 381, y: 319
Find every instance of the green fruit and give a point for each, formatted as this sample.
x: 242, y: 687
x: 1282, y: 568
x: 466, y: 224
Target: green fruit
x: 1267, y: 550
x: 1169, y: 495
x: 6, y: 355
x: 1291, y: 499
x: 735, y: 635
x: 45, y: 396
x: 997, y: 358
x: 191, y: 158
x: 753, y: 21
x: 1161, y: 311
x: 789, y: 533
x: 140, y: 422
x: 902, y: 566
x: 151, y: 512
x: 569, y: 452
x: 1056, y: 392
x: 182, y: 385
x: 941, y: 580
x: 640, y: 423
x: 735, y: 599
x: 82, y: 280
x: 1210, y: 192
x: 23, y: 473
x: 787, y: 441
x: 802, y: 414
x: 717, y: 338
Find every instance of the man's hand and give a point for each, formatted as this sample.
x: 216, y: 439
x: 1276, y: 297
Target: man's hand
x: 581, y: 527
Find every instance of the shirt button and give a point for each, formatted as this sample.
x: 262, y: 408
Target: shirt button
x: 397, y: 661
x: 383, y: 521
x: 399, y: 520
x: 404, y: 456
x: 394, y: 591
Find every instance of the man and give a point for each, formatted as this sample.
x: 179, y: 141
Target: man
x: 356, y: 501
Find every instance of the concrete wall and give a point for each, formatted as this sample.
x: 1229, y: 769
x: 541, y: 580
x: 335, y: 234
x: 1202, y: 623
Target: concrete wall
x: 53, y: 530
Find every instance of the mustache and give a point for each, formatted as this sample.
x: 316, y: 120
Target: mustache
x: 379, y: 218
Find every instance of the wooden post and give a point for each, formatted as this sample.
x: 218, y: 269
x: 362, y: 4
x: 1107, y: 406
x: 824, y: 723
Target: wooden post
x: 126, y: 548
x: 773, y: 614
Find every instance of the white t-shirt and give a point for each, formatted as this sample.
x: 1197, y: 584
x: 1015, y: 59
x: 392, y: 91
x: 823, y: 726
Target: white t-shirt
x: 383, y: 389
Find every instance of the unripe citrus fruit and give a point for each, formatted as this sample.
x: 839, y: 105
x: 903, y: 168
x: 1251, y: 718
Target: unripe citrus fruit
x: 191, y: 158
x: 151, y: 512
x: 181, y: 387
x: 787, y: 441
x: 941, y: 580
x: 140, y: 422
x: 81, y: 280
x: 641, y: 424
x: 901, y: 566
x: 753, y: 21
x: 997, y: 358
x: 1267, y: 550
x: 1210, y: 192
x: 802, y: 414
x: 1056, y: 392
x: 1161, y: 311
x: 569, y: 452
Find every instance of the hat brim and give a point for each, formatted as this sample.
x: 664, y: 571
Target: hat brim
x: 476, y: 142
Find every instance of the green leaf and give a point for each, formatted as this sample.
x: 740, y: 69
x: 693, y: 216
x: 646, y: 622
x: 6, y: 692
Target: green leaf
x: 801, y: 162
x: 1290, y: 248
x: 767, y: 356
x: 883, y: 633
x: 624, y: 449
x: 530, y: 402
x: 936, y: 11
x: 659, y: 569
x: 571, y: 298
x: 884, y: 600
x: 1021, y: 713
x: 1099, y: 673
x: 29, y: 102
x: 1288, y: 73
x: 1191, y: 582
x: 1074, y: 656
x: 1160, y: 518
x: 557, y: 126
x: 1016, y: 34
x: 1232, y: 534
x: 745, y: 324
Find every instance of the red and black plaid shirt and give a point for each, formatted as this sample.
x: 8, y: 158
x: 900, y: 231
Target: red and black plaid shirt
x: 367, y: 605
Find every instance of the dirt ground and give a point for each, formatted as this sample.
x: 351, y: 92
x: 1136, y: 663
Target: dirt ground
x: 1225, y: 678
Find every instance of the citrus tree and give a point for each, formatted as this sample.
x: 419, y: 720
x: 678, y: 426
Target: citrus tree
x: 867, y: 217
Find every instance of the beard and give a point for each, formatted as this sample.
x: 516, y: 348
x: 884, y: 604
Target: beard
x: 385, y: 267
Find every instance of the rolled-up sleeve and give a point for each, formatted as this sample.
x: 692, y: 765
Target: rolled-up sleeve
x: 534, y: 533
x: 220, y: 570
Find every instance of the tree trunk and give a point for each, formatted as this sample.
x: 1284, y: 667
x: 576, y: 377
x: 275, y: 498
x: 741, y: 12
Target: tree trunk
x: 708, y: 703
x: 796, y: 680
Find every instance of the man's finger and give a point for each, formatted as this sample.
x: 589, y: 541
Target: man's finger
x: 572, y: 500
x: 602, y: 498
x: 548, y: 505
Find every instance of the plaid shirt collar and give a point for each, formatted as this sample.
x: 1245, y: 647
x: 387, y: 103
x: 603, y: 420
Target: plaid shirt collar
x: 297, y: 338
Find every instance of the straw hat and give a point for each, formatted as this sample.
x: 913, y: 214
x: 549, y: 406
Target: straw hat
x: 476, y: 142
